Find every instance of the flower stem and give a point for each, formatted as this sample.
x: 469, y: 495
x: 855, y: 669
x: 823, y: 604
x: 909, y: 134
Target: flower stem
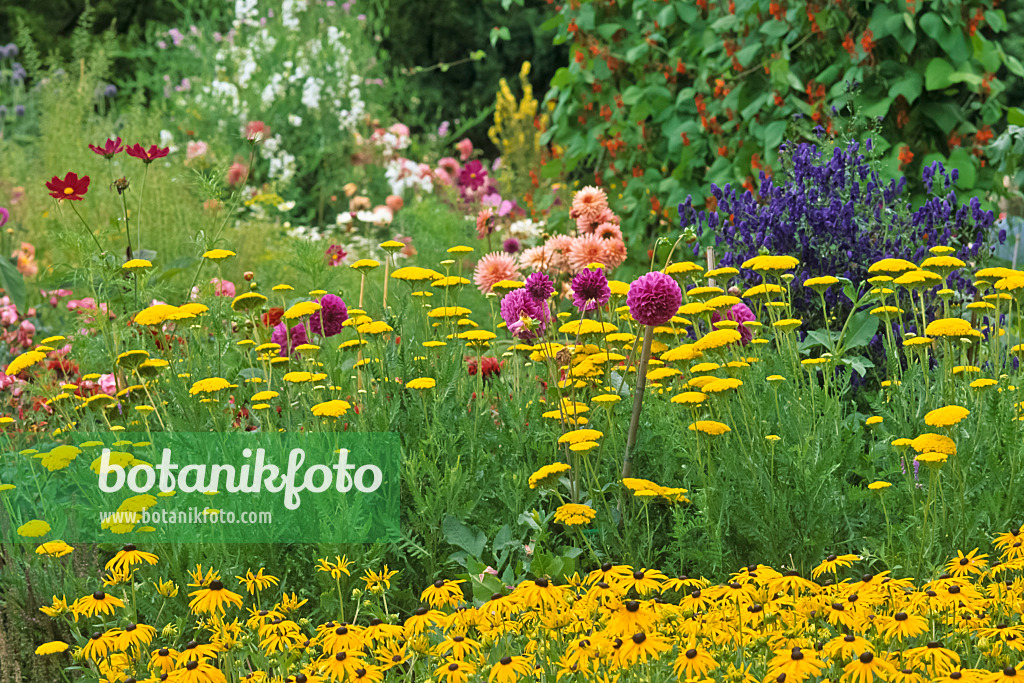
x: 638, y: 399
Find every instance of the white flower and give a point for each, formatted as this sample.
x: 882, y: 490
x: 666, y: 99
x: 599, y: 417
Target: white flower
x: 286, y: 206
x: 295, y: 120
x: 311, y: 93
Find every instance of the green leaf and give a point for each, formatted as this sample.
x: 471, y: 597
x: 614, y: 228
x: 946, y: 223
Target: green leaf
x: 562, y: 78
x: 934, y: 27
x: 667, y: 16
x: 996, y: 19
x: 461, y: 536
x: 775, y: 29
x: 636, y: 52
x: 13, y: 284
x: 606, y: 31
x: 829, y: 74
x: 632, y: 95
x: 861, y: 330
x: 1015, y: 116
x: 552, y: 23
x: 1014, y: 65
x: 773, y: 134
x: 963, y: 161
x: 749, y: 51
x: 945, y: 114
x: 938, y: 75
x: 878, y: 107
x: 909, y: 85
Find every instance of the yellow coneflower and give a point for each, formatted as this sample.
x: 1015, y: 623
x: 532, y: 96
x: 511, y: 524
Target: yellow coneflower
x: 96, y: 603
x: 213, y: 598
x: 339, y: 566
x: 128, y: 557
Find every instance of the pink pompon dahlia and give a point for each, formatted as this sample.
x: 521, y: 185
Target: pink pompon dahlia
x: 494, y: 267
x: 654, y: 298
x: 589, y: 203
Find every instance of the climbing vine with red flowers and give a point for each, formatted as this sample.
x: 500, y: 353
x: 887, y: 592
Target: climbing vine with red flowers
x: 662, y: 97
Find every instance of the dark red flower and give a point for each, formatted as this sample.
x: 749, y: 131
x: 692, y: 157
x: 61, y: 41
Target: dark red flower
x: 272, y: 317
x: 109, y: 149
x: 148, y: 155
x: 491, y: 366
x: 72, y: 187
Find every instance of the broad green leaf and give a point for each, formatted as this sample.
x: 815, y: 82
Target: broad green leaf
x: 909, y: 85
x: 636, y: 52
x: 773, y: 134
x: 13, y: 284
x: 461, y: 536
x: 996, y: 20
x: 938, y: 75
x: 562, y: 78
x: 934, y: 27
x: 608, y: 30
x: 1015, y: 116
x: 878, y: 107
x: 861, y: 330
x: 962, y: 160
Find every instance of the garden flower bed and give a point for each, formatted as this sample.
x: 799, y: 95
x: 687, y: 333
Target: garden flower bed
x: 701, y: 364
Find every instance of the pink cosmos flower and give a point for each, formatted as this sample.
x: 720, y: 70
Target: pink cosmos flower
x: 465, y: 147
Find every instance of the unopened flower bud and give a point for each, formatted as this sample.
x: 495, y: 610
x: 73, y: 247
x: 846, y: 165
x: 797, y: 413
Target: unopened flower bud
x: 248, y: 275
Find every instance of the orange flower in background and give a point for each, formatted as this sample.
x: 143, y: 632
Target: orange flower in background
x: 906, y: 156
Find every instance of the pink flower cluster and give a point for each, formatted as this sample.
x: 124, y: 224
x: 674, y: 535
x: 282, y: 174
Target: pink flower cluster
x: 17, y: 332
x: 598, y: 238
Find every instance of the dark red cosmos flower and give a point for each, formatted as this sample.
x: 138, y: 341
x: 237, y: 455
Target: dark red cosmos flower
x: 72, y: 187
x: 109, y: 149
x: 148, y: 155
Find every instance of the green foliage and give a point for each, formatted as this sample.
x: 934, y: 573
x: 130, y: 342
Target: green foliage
x: 661, y: 98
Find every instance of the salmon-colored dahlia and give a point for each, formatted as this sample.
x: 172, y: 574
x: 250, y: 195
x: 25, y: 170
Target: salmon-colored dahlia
x: 586, y: 249
x: 588, y: 203
x: 614, y: 253
x: 607, y: 231
x: 558, y: 252
x: 495, y: 267
x: 535, y: 258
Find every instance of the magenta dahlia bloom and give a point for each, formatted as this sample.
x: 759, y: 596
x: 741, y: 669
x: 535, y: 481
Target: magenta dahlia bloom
x: 328, y: 320
x: 739, y: 313
x: 540, y: 286
x: 525, y: 316
x: 590, y: 289
x: 654, y: 298
x: 288, y: 339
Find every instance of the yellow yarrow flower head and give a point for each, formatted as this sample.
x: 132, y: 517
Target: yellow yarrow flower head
x: 946, y: 416
x: 218, y: 254
x: 302, y: 310
x: 209, y: 386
